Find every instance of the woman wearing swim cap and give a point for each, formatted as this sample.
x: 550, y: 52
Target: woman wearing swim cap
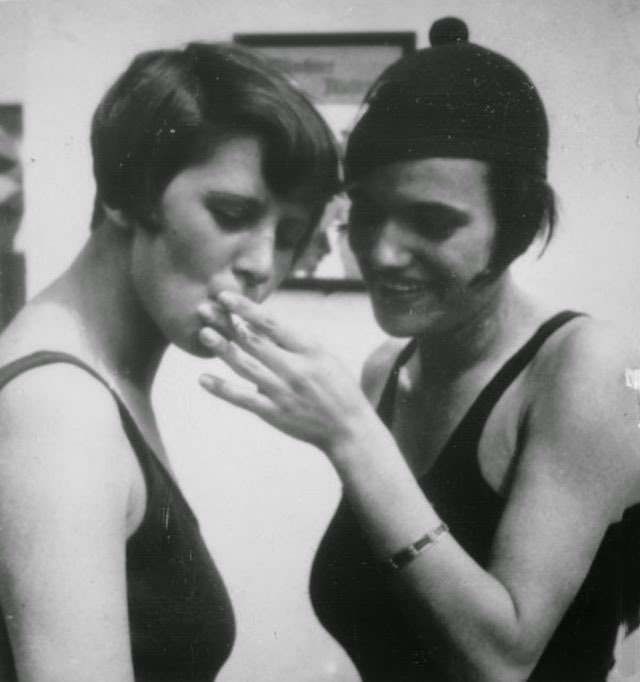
x: 489, y: 524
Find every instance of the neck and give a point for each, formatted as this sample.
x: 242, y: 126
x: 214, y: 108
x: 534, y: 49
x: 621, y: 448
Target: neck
x: 98, y: 290
x: 484, y: 333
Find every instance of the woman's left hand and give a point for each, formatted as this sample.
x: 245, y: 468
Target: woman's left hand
x: 301, y: 389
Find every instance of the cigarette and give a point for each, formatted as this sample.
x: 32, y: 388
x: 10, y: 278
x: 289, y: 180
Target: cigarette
x: 632, y: 379
x: 241, y: 328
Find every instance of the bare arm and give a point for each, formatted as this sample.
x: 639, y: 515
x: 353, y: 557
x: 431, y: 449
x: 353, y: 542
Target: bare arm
x: 64, y: 473
x: 579, y: 468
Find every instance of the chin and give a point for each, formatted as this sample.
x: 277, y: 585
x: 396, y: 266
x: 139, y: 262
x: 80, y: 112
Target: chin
x: 399, y: 325
x: 404, y: 323
x: 199, y: 351
x: 191, y: 345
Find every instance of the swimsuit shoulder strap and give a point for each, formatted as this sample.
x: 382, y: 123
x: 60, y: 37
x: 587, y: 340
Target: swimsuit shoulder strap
x: 387, y: 397
x: 41, y: 358
x: 44, y: 357
x: 466, y: 436
x: 515, y: 365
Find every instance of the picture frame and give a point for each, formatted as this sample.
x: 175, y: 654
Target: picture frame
x: 336, y: 70
x: 12, y: 263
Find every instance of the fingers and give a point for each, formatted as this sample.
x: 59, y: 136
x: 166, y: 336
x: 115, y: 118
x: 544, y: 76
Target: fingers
x: 280, y: 361
x: 239, y: 306
x: 239, y: 396
x: 241, y: 362
x: 217, y: 317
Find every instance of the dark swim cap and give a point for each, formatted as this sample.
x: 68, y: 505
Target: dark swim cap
x: 453, y: 99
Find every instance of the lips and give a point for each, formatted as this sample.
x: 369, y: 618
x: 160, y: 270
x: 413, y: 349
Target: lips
x: 398, y: 290
x: 403, y: 287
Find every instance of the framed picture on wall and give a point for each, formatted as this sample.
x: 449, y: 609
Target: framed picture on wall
x: 12, y: 266
x: 336, y: 71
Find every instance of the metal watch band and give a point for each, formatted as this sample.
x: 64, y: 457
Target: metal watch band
x: 410, y: 552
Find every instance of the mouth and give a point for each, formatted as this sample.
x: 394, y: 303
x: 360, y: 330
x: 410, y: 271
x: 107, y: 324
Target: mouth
x: 212, y: 314
x: 400, y: 288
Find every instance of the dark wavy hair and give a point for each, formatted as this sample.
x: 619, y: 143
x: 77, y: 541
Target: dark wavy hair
x: 524, y: 206
x: 170, y: 107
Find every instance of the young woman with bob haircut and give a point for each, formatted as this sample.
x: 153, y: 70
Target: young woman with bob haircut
x: 212, y: 171
x: 490, y: 522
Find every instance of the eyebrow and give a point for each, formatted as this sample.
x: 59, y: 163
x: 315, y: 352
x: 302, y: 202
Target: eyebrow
x: 247, y: 202
x: 434, y: 208
x: 254, y: 206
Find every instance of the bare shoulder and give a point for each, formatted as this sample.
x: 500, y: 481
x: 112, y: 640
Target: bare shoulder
x: 42, y: 324
x: 57, y: 394
x: 59, y: 426
x: 377, y: 366
x: 65, y: 489
x: 587, y: 364
x: 588, y: 346
x: 583, y: 411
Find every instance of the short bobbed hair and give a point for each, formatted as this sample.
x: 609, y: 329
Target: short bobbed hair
x: 524, y: 206
x: 169, y: 109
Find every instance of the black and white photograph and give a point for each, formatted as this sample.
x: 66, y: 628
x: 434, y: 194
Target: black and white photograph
x: 335, y: 70
x: 319, y: 341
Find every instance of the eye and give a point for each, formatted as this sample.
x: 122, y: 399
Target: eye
x: 364, y: 215
x: 231, y: 213
x: 364, y: 218
x: 230, y: 219
x: 436, y: 223
x: 433, y: 231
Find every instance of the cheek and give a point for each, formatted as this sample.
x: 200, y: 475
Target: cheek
x: 468, y: 254
x: 160, y: 285
x: 194, y: 254
x: 193, y: 247
x: 172, y: 272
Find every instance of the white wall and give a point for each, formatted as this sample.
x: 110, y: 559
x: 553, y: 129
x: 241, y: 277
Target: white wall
x: 13, y: 51
x: 263, y: 500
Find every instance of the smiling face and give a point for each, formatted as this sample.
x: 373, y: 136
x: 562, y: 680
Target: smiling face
x: 219, y: 228
x: 423, y: 232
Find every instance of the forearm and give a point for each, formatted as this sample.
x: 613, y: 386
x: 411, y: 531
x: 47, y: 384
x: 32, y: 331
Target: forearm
x: 444, y: 592
x: 572, y: 479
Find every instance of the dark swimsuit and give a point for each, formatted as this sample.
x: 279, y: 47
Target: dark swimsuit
x: 180, y: 617
x: 353, y: 599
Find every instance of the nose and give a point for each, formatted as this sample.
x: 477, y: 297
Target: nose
x: 255, y: 260
x: 389, y: 246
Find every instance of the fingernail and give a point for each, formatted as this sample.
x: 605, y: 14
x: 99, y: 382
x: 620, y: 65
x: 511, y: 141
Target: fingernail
x: 207, y: 381
x: 241, y: 328
x: 206, y: 310
x: 227, y: 298
x: 210, y: 338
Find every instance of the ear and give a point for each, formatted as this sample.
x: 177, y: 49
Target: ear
x: 117, y: 217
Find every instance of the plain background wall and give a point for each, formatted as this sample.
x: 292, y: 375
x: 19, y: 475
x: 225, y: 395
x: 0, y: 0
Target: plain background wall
x: 264, y: 500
